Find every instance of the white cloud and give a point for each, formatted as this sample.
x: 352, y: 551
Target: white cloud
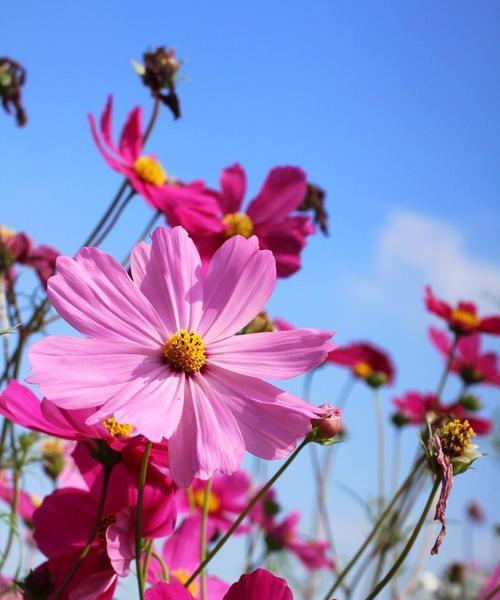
x: 413, y: 250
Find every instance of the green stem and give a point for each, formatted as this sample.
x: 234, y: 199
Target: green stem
x: 375, y: 529
x: 245, y: 512
x: 161, y: 562
x: 147, y: 559
x: 381, y: 448
x: 446, y: 372
x: 90, y: 540
x: 203, y: 539
x: 409, y: 544
x: 138, y: 520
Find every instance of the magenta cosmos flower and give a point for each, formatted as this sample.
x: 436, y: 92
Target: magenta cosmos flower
x: 185, y: 204
x: 366, y: 362
x: 259, y: 585
x: 472, y: 365
x: 270, y: 216
x: 462, y: 318
x: 161, y: 352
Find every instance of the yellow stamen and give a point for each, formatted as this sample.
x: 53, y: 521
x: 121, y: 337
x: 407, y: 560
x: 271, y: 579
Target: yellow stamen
x: 150, y: 170
x: 120, y: 430
x: 6, y: 233
x: 185, y: 351
x: 213, y: 500
x: 36, y: 501
x: 52, y: 447
x: 182, y: 575
x: 238, y: 223
x: 456, y: 437
x: 465, y: 317
x: 362, y: 370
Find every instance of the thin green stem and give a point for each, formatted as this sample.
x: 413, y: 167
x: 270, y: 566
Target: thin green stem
x: 375, y: 529
x: 115, y: 218
x: 90, y: 540
x: 161, y: 562
x: 245, y: 512
x: 147, y: 559
x: 138, y: 520
x: 446, y: 372
x: 409, y: 544
x: 203, y: 538
x: 95, y: 232
x: 152, y: 120
x: 381, y: 447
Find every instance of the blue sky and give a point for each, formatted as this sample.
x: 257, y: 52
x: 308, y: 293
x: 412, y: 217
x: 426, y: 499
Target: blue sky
x: 391, y: 107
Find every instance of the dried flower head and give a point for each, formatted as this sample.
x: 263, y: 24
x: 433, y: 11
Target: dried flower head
x: 12, y: 78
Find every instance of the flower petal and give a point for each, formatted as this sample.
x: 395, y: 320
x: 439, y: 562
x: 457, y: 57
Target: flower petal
x: 233, y: 183
x: 270, y: 420
x: 272, y: 355
x: 171, y: 281
x: 94, y: 370
x: 259, y: 585
x: 207, y: 440
x: 240, y: 280
x: 120, y: 541
x: 95, y: 295
x: 131, y: 136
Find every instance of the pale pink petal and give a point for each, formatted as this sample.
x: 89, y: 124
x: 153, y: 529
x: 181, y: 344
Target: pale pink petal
x: 233, y: 183
x: 240, y: 280
x: 270, y: 420
x: 283, y: 192
x: 95, y: 295
x: 272, y: 355
x: 207, y: 440
x: 80, y: 373
x: 120, y: 541
x: 171, y: 281
x: 131, y: 136
x: 139, y: 259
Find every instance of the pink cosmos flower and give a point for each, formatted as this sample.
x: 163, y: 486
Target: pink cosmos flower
x: 462, y: 319
x: 284, y: 535
x: 492, y: 584
x: 228, y: 497
x: 181, y: 553
x: 469, y: 363
x: 271, y: 216
x: 19, y: 248
x: 66, y: 517
x: 185, y: 204
x: 26, y: 505
x: 259, y: 585
x: 161, y: 352
x: 366, y: 362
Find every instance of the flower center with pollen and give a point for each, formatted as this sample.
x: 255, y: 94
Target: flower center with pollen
x: 212, y: 500
x: 120, y: 430
x: 465, y: 317
x: 185, y: 351
x: 150, y: 171
x: 238, y: 223
x: 456, y: 437
x: 362, y: 370
x: 182, y: 575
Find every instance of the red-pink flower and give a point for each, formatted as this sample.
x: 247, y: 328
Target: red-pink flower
x: 366, y: 362
x: 161, y: 352
x: 185, y: 204
x: 472, y: 365
x: 65, y: 519
x: 18, y: 248
x: 228, y: 497
x: 26, y: 504
x: 271, y: 216
x: 181, y: 554
x: 462, y: 318
x: 259, y: 585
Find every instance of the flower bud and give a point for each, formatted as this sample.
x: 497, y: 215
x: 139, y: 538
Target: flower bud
x: 261, y: 323
x: 315, y: 201
x: 471, y: 402
x: 327, y: 426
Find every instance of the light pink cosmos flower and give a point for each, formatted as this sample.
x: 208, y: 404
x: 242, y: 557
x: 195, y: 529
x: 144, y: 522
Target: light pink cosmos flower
x: 162, y: 354
x: 271, y: 216
x: 184, y: 204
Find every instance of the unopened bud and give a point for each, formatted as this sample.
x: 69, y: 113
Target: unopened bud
x: 399, y: 419
x: 471, y: 402
x: 260, y: 324
x: 327, y: 426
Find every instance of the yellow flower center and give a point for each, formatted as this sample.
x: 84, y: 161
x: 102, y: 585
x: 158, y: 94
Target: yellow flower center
x: 120, y: 430
x: 465, y: 317
x: 362, y: 370
x: 185, y: 351
x: 52, y: 448
x: 105, y: 522
x: 150, y: 170
x: 199, y: 500
x: 182, y: 575
x: 456, y: 437
x: 6, y: 233
x: 238, y: 223
x: 36, y: 501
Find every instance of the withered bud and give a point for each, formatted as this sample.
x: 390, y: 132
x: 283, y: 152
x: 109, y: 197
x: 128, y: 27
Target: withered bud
x: 261, y: 323
x: 37, y: 585
x: 160, y: 72
x: 315, y: 201
x: 12, y: 78
x: 329, y: 425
